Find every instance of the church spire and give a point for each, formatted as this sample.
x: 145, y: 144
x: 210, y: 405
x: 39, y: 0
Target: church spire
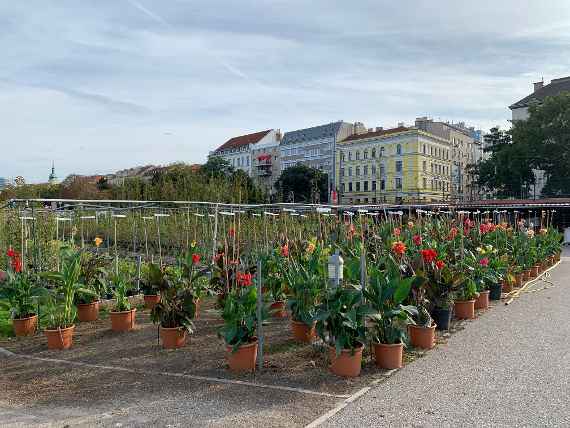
x: 52, y: 176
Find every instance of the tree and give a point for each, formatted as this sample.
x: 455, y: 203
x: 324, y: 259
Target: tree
x: 305, y: 184
x: 507, y: 172
x: 545, y: 136
x: 217, y: 167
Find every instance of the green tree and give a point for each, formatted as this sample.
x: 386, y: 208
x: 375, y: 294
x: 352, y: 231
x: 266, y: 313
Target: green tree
x: 301, y: 183
x: 545, y: 137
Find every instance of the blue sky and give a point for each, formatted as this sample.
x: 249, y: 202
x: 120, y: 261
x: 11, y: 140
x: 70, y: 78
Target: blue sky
x: 102, y: 85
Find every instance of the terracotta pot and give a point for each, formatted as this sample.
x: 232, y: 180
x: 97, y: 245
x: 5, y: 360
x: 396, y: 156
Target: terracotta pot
x: 61, y: 338
x: 173, y: 338
x: 25, y: 326
x: 422, y: 337
x: 88, y: 312
x: 558, y: 256
x: 389, y: 356
x: 507, y: 286
x: 465, y: 310
x: 526, y: 276
x: 348, y: 363
x: 278, y: 310
x: 519, y: 279
x: 150, y: 300
x: 123, y: 321
x: 535, y: 271
x: 244, y: 359
x: 302, y: 332
x: 482, y: 302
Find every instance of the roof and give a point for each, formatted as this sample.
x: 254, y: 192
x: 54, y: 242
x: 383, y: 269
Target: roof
x: 372, y: 134
x: 555, y: 87
x: 242, y: 140
x: 314, y: 133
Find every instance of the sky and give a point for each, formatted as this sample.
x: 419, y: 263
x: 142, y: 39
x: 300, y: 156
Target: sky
x: 102, y: 85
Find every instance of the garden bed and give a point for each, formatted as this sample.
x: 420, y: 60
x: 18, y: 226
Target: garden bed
x: 286, y: 363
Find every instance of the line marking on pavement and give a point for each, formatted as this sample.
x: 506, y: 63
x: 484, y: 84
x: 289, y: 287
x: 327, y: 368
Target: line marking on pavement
x: 319, y: 421
x: 178, y: 375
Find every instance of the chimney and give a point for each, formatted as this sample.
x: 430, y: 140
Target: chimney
x: 538, y: 85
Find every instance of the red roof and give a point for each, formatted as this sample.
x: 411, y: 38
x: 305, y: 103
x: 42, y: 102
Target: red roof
x: 243, y: 140
x: 376, y: 133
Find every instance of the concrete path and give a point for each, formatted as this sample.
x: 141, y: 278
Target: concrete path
x: 510, y: 367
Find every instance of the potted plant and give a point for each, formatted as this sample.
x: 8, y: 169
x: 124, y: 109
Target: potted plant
x: 195, y: 278
x: 239, y: 313
x: 390, y: 318
x: 465, y: 297
x: 274, y: 281
x: 19, y: 295
x: 306, y: 279
x: 341, y: 325
x: 93, y: 276
x: 150, y: 284
x: 60, y: 310
x: 123, y: 315
x: 175, y: 311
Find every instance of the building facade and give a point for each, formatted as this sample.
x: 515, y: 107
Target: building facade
x: 4, y: 182
x: 466, y: 150
x: 316, y: 146
x: 266, y: 164
x: 400, y: 165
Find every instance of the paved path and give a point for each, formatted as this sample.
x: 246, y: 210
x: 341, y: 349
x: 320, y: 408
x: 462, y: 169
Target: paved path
x: 511, y: 367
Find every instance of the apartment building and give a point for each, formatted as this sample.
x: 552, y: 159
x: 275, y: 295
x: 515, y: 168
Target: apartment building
x: 266, y: 164
x: 466, y: 150
x: 315, y: 147
x: 399, y: 165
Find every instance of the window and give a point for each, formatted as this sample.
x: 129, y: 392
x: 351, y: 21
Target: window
x: 399, y: 166
x: 399, y: 149
x: 366, y: 186
x: 247, y: 161
x: 357, y: 155
x: 382, y: 170
x: 373, y: 153
x: 398, y: 183
x: 425, y: 183
x: 425, y: 152
x: 343, y: 187
x: 342, y: 156
x: 358, y: 171
x: 365, y: 154
x: 358, y: 186
x: 349, y: 156
x: 381, y: 151
x: 342, y: 172
x: 365, y: 170
x: 350, y: 172
x: 374, y: 184
x: 425, y: 165
x: 382, y: 184
x: 350, y: 187
x: 374, y: 170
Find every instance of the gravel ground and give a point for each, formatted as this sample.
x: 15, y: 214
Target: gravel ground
x: 510, y: 367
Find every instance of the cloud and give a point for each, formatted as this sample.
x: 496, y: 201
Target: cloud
x: 101, y: 86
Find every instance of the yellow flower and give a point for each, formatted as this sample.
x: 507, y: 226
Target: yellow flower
x: 480, y: 250
x: 193, y: 245
x: 98, y: 241
x: 311, y: 248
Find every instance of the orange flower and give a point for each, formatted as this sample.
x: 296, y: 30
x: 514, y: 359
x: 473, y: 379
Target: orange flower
x: 398, y: 248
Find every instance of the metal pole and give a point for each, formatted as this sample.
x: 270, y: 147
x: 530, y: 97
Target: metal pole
x: 139, y: 262
x: 259, y: 316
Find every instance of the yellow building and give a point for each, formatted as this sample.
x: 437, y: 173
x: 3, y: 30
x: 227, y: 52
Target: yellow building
x: 400, y: 165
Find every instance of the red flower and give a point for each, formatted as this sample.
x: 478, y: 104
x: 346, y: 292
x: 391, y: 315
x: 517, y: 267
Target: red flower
x: 452, y: 233
x: 397, y: 231
x: 217, y: 257
x: 285, y: 250
x: 11, y: 253
x: 417, y: 240
x: 16, y: 264
x: 244, y: 279
x: 484, y: 261
x: 429, y: 255
x: 232, y: 232
x: 195, y: 258
x: 398, y: 248
x: 439, y: 264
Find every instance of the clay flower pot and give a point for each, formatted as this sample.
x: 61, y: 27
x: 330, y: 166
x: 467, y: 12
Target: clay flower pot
x: 88, y: 312
x: 535, y: 271
x: 348, y: 363
x: 519, y: 279
x: 173, y: 338
x: 507, y: 286
x: 302, y: 332
x: 527, y: 275
x: 389, y: 356
x: 482, y: 302
x: 150, y: 300
x: 123, y: 321
x: 465, y: 310
x: 61, y: 338
x: 25, y: 326
x: 422, y: 337
x: 278, y: 309
x: 244, y: 358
